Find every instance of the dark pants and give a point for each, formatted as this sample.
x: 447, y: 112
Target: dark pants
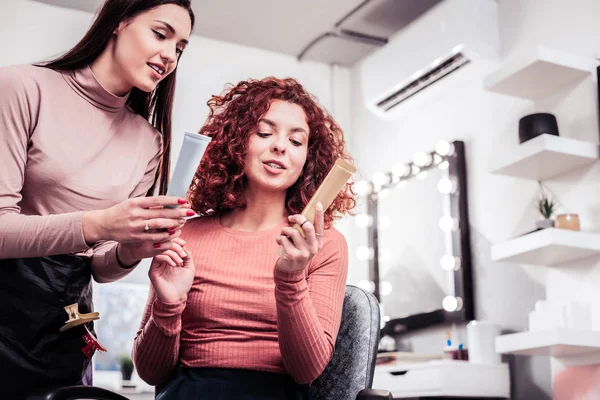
x: 225, y: 384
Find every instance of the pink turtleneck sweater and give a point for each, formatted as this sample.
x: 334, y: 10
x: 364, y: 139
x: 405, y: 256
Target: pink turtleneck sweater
x: 68, y: 145
x: 242, y: 312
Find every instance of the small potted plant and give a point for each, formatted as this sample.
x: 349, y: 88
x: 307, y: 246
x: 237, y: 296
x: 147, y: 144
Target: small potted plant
x: 126, y: 365
x: 546, y: 206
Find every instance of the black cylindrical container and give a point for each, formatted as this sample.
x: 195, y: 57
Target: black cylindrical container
x: 533, y: 125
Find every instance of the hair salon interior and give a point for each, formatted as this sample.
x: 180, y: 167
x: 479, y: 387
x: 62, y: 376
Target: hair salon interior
x: 474, y: 124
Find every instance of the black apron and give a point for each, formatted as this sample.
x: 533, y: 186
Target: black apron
x: 34, y: 354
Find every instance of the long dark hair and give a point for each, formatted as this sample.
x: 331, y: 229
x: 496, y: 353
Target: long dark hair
x: 155, y: 106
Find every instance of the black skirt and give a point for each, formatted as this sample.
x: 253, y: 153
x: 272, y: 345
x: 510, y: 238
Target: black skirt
x: 225, y: 384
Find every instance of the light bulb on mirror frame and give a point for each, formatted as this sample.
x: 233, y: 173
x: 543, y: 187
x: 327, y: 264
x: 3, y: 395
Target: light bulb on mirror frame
x: 449, y: 262
x: 444, y: 148
x: 446, y: 186
x: 363, y: 253
x: 402, y: 184
x: 385, y: 288
x: 400, y: 170
x: 363, y: 220
x: 447, y: 223
x: 364, y: 284
x: 422, y: 159
x: 380, y: 179
x: 452, y: 304
x: 443, y: 165
x: 362, y: 188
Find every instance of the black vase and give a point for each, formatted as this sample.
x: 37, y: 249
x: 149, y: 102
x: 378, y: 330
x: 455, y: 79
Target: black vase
x: 126, y: 372
x: 537, y: 124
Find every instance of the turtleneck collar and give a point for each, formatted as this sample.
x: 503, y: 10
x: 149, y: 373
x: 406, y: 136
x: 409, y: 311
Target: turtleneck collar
x: 84, y: 83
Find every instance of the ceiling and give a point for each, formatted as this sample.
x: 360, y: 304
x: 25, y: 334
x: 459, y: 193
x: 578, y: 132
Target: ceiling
x: 329, y: 31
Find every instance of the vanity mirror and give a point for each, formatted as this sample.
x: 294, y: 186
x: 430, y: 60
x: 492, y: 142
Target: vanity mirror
x: 418, y: 230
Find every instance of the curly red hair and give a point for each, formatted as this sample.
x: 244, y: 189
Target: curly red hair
x: 219, y: 181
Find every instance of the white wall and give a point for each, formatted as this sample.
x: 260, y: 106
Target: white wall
x: 34, y: 32
x: 502, y: 207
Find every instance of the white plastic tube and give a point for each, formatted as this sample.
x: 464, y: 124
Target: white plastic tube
x: 192, y: 149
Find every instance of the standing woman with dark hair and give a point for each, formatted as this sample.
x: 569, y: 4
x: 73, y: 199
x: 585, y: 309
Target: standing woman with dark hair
x: 84, y: 138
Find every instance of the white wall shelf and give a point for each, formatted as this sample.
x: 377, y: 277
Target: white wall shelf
x: 556, y: 343
x: 550, y: 246
x: 539, y: 73
x: 546, y: 156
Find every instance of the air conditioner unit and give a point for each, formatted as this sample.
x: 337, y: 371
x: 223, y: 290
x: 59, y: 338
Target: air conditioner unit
x: 436, y: 48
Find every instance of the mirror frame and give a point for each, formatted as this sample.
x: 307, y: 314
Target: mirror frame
x: 463, y: 282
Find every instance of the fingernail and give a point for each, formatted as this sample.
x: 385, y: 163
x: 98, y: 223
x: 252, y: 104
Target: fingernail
x: 181, y: 201
x: 171, y: 230
x: 190, y: 213
x: 289, y: 218
x: 156, y: 245
x: 319, y: 206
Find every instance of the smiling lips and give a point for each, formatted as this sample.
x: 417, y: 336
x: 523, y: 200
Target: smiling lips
x: 274, y: 166
x: 158, y: 68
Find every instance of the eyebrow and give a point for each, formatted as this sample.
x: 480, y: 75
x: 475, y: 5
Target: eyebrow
x: 274, y: 125
x: 171, y: 29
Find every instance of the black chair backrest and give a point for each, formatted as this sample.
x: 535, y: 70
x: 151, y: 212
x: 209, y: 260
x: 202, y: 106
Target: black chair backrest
x: 352, y: 366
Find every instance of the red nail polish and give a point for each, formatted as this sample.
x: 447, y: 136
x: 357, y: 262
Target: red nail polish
x: 171, y: 230
x: 190, y: 213
x: 181, y: 201
x: 156, y: 245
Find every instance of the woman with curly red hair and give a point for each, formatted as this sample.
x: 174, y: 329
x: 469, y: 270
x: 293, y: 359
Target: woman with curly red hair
x: 254, y: 313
